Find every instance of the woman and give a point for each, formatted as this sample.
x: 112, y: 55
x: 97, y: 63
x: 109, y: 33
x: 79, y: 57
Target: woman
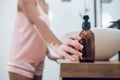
x: 30, y: 39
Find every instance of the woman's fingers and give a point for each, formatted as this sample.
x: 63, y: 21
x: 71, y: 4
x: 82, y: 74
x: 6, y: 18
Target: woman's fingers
x: 68, y: 51
x: 63, y: 53
x: 68, y: 56
x: 71, y: 47
x: 72, y: 50
x: 75, y: 44
x: 74, y: 37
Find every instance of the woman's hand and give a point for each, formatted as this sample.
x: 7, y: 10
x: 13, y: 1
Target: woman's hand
x: 70, y: 47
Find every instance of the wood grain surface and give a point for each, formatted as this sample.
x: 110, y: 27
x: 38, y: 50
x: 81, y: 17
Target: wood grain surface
x: 90, y: 70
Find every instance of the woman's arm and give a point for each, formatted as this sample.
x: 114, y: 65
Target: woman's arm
x: 32, y: 14
x: 30, y: 10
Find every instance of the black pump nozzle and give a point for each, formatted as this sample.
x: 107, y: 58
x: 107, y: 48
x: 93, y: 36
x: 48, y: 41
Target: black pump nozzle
x: 86, y: 24
x: 86, y: 17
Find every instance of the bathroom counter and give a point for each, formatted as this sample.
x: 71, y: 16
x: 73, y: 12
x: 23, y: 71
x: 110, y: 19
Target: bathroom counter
x: 75, y: 71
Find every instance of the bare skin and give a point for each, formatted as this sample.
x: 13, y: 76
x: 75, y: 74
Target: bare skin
x: 60, y: 48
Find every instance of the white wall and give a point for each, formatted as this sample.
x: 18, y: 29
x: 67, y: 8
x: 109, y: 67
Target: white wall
x: 7, y: 15
x: 66, y: 15
x: 65, y: 19
x: 112, y: 9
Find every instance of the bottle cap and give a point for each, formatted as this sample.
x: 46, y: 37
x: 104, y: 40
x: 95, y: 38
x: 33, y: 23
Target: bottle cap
x: 86, y: 24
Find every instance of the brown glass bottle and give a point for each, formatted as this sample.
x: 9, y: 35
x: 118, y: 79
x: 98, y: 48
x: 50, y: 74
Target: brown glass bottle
x: 88, y: 41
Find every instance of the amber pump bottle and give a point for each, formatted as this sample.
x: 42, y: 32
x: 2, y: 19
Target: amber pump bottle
x: 88, y: 52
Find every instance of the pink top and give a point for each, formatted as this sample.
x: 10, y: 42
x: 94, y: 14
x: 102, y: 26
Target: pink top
x: 27, y: 45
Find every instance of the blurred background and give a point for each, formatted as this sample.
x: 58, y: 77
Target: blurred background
x: 65, y: 16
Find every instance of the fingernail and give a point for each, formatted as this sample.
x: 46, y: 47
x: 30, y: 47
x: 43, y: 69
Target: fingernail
x: 79, y: 37
x: 80, y: 54
x: 82, y: 46
x: 73, y: 59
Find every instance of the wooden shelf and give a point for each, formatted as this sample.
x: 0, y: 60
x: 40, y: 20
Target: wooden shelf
x: 90, y: 70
